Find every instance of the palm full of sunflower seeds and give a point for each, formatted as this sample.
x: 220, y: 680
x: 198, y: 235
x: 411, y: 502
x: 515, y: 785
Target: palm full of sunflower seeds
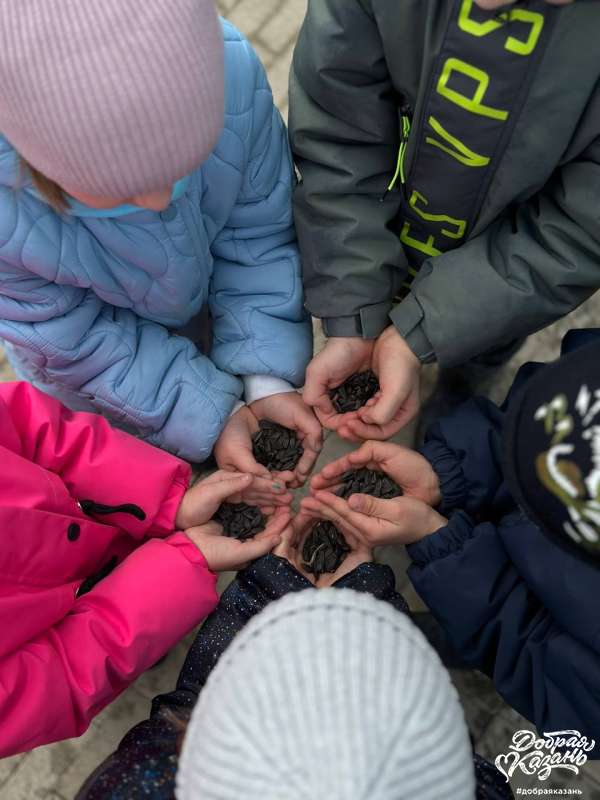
x: 325, y: 548
x: 355, y: 392
x: 240, y: 520
x: 275, y: 447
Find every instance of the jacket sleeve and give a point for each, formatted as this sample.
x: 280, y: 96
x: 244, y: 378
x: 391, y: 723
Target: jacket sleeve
x: 543, y: 660
x: 260, y: 326
x: 345, y: 136
x: 93, y: 460
x: 53, y: 686
x: 131, y: 369
x: 265, y: 580
x: 529, y: 268
x: 465, y: 450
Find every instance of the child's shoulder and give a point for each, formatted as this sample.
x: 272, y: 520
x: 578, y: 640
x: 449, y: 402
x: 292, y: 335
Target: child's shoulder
x: 244, y: 72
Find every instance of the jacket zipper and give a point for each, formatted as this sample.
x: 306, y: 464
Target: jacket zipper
x: 91, y: 507
x: 405, y: 118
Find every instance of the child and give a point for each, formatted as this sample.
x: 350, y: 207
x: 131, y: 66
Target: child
x: 329, y: 694
x: 159, y: 183
x: 450, y: 157
x: 96, y: 585
x: 506, y: 562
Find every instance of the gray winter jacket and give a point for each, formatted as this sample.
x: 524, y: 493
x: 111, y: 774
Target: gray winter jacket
x: 450, y: 162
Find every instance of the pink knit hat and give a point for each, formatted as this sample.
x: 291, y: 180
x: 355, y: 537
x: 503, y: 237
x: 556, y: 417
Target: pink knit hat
x: 111, y: 97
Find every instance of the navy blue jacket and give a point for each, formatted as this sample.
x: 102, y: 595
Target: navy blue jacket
x: 515, y: 604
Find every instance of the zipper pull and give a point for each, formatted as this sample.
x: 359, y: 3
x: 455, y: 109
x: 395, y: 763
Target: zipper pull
x: 405, y: 119
x: 91, y: 507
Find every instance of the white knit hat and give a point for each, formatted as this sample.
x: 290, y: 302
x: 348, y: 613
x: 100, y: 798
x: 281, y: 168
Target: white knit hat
x: 328, y: 695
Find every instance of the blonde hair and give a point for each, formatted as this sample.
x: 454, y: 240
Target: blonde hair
x: 50, y: 191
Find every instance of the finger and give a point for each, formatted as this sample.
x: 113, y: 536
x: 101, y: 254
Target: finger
x: 213, y: 494
x: 268, y: 511
x: 302, y: 523
x: 284, y: 477
x: 374, y: 507
x: 286, y: 547
x: 260, y: 546
x: 306, y: 464
x: 347, y: 432
x: 394, y: 406
x: 375, y: 432
x: 331, y: 473
x: 341, y: 513
x: 315, y: 392
x: 330, y: 419
x: 244, y: 461
x: 277, y: 524
x: 336, y: 510
x: 268, y: 485
x: 256, y: 499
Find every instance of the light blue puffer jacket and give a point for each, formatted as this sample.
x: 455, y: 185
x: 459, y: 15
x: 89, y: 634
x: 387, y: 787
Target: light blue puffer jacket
x: 88, y: 304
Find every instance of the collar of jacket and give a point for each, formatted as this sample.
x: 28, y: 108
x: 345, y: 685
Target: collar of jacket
x: 77, y: 209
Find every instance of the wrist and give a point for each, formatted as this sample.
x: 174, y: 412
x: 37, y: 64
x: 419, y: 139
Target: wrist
x: 434, y: 522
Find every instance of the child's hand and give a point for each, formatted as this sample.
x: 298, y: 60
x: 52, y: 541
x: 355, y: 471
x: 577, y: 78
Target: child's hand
x: 340, y: 358
x: 374, y: 522
x: 292, y: 540
x: 200, y: 503
x: 289, y: 410
x: 397, y: 402
x: 233, y: 450
x: 413, y: 473
x: 222, y: 553
x: 360, y: 553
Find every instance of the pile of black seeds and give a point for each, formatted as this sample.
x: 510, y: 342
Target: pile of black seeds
x: 275, y: 447
x: 354, y: 393
x: 240, y: 521
x: 324, y: 549
x: 369, y: 481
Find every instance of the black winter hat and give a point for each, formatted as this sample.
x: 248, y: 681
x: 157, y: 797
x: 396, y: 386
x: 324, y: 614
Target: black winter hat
x: 552, y: 450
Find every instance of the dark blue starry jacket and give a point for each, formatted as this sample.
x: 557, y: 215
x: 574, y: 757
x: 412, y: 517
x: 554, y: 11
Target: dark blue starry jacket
x: 145, y: 764
x: 515, y: 604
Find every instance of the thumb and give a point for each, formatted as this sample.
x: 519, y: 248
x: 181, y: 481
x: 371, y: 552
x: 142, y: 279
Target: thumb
x: 368, y: 505
x: 215, y: 493
x: 245, y: 462
x: 390, y: 400
x: 257, y: 547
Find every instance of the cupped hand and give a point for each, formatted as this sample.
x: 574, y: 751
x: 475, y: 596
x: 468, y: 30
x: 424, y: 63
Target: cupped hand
x: 375, y: 522
x: 398, y: 371
x: 410, y: 470
x: 233, y: 450
x: 289, y: 409
x: 200, y: 503
x: 339, y: 360
x: 222, y: 553
x: 292, y: 541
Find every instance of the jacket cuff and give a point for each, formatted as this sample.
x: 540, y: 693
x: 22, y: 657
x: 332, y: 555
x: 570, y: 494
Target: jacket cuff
x: 408, y: 317
x: 258, y: 386
x: 369, y: 323
x: 188, y: 549
x: 164, y: 522
x: 445, y: 464
x: 444, y: 542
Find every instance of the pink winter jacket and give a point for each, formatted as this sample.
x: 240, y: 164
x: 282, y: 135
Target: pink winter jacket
x: 63, y: 657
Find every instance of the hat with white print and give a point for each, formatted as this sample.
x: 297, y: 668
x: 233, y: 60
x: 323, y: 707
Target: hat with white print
x: 553, y: 449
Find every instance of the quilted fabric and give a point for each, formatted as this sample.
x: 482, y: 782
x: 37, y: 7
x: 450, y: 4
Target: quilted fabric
x: 90, y: 306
